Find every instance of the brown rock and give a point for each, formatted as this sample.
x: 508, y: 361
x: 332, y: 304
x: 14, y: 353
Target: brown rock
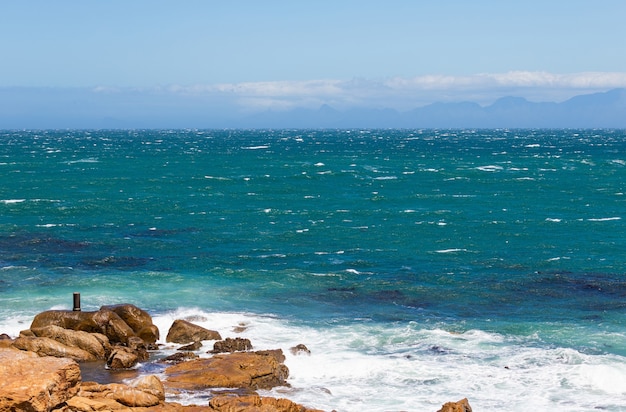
x: 126, y: 395
x: 460, y: 406
x: 150, y: 384
x: 255, y: 370
x: 75, y: 320
x: 83, y: 404
x: 110, y: 324
x: 138, y: 346
x: 122, y: 358
x: 5, y: 341
x: 138, y: 319
x: 32, y: 383
x: 117, y: 323
x: 50, y: 347
x: 94, y: 343
x: 232, y: 345
x: 182, y: 331
x: 255, y: 403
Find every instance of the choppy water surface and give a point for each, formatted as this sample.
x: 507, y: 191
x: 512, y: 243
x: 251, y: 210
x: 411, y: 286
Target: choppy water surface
x: 418, y: 266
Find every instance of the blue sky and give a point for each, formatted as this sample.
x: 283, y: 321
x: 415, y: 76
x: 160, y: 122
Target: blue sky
x: 281, y: 54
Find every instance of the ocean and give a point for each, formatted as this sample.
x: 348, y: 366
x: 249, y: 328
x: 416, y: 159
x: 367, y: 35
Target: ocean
x: 418, y: 266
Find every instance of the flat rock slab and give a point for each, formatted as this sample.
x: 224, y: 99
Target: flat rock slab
x: 253, y: 370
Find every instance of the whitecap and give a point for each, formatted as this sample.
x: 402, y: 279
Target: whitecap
x: 489, y: 168
x: 216, y: 177
x: 12, y: 201
x: 604, y: 219
x: 550, y: 219
x: 456, y: 250
x: 255, y: 147
x: 85, y: 160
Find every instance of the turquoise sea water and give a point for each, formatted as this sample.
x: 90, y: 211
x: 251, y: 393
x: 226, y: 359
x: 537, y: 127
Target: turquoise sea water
x: 426, y: 265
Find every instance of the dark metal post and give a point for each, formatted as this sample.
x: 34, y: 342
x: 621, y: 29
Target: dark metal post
x: 76, y: 302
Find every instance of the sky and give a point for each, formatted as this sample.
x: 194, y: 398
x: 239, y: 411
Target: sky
x: 284, y: 54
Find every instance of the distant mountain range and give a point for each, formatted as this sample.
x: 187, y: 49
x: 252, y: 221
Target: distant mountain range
x: 43, y: 108
x: 598, y: 110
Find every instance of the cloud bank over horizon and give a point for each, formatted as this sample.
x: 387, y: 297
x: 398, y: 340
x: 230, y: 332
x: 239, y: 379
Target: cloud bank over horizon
x: 398, y: 93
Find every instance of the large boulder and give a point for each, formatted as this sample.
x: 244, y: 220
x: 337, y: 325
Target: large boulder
x: 114, y: 327
x: 49, y: 347
x: 138, y: 319
x: 95, y: 343
x: 182, y: 331
x: 32, y: 383
x: 250, y: 370
x: 118, y: 323
x: 460, y: 406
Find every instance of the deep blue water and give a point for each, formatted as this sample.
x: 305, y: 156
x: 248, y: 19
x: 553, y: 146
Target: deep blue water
x: 519, y: 233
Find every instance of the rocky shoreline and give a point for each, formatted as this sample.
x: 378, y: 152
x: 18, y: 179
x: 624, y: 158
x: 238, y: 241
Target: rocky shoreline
x: 42, y: 368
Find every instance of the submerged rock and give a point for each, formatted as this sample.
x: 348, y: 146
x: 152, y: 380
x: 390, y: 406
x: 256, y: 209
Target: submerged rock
x: 179, y: 357
x: 191, y: 347
x: 299, y: 349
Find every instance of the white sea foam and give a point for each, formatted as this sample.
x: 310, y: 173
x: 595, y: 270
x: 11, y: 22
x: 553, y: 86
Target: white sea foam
x: 604, y: 219
x: 11, y: 201
x: 255, y: 147
x: 392, y: 368
x: 450, y: 250
x: 396, y: 367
